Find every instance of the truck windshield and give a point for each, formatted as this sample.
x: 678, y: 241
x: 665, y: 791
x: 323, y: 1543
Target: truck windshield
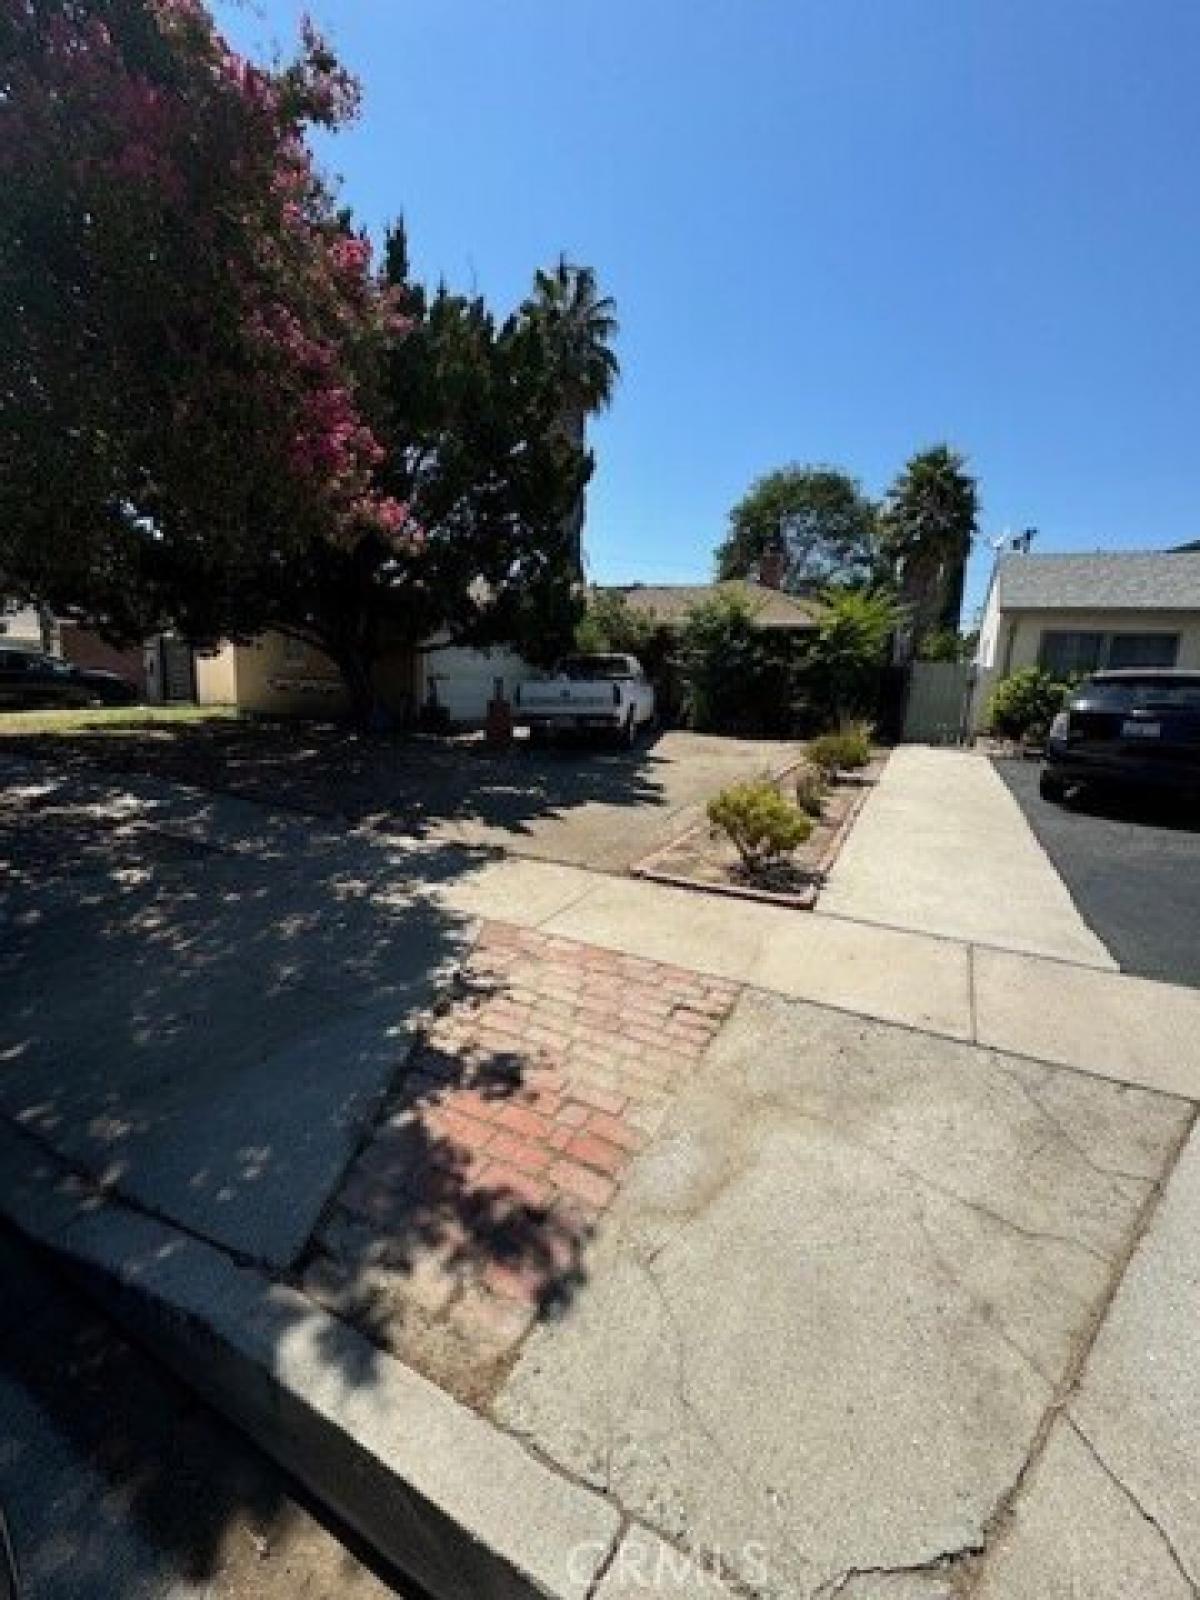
x: 580, y: 667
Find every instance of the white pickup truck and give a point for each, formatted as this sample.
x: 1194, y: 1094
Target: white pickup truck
x: 605, y: 694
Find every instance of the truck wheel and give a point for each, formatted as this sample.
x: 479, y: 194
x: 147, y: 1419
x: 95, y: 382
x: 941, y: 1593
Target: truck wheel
x: 1052, y: 788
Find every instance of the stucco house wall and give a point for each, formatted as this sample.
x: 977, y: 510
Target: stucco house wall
x: 274, y: 675
x: 464, y: 679
x: 1027, y: 629
x: 216, y: 676
x: 87, y: 649
x: 279, y: 676
x: 1011, y: 641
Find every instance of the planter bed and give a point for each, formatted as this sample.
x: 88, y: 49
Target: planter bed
x: 703, y: 859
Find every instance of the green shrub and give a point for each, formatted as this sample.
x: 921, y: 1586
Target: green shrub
x: 611, y: 625
x: 810, y: 789
x: 947, y: 644
x: 737, y: 677
x: 1025, y: 704
x: 843, y: 671
x: 847, y: 751
x: 759, y: 822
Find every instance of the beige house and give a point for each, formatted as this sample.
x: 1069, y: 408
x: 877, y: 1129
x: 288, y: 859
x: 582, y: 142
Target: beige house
x: 276, y: 675
x: 1077, y: 613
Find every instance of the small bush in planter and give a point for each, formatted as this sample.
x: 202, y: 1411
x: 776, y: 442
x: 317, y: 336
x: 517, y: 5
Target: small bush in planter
x: 810, y: 790
x: 848, y: 751
x: 760, y: 824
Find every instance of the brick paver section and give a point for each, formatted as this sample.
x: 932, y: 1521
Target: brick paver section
x: 468, y: 1212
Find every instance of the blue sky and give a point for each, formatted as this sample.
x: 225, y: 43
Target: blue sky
x: 836, y: 232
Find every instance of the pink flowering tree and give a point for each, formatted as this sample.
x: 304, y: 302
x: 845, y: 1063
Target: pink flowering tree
x: 215, y: 411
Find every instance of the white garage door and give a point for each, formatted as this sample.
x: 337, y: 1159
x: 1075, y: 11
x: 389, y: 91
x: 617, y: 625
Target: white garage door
x: 465, y: 679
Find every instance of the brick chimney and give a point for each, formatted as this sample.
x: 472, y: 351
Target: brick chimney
x: 772, y: 568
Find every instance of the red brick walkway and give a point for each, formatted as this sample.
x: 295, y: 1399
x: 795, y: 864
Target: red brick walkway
x: 468, y: 1211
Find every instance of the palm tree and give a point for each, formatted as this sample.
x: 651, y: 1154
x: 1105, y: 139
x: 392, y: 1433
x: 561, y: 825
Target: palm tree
x: 928, y: 522
x: 578, y: 324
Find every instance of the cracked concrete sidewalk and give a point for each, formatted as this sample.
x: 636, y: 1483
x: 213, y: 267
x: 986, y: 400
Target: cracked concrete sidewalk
x: 832, y: 1332
x: 885, y: 1312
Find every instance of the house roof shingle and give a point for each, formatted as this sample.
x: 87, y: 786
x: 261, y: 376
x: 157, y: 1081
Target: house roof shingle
x: 670, y: 602
x: 1127, y: 580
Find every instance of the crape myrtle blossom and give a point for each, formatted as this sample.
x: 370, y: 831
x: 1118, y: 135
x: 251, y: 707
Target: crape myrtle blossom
x: 166, y: 143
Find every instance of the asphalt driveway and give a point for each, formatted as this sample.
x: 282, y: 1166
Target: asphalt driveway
x: 1133, y: 869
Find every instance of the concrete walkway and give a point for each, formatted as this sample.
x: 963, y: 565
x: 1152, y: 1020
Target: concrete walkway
x: 941, y: 847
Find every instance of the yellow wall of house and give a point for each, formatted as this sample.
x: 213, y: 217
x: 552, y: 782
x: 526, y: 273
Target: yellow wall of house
x: 216, y: 677
x: 280, y: 676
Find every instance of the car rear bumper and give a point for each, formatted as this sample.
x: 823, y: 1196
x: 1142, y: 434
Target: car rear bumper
x: 1120, y: 767
x: 564, y: 721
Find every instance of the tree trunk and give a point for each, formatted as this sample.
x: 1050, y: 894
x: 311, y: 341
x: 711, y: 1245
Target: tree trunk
x: 364, y: 702
x: 953, y: 587
x: 921, y: 595
x: 575, y: 428
x: 356, y: 663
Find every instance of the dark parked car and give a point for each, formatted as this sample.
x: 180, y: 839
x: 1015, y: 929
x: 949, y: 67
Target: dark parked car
x: 1132, y: 728
x: 30, y: 680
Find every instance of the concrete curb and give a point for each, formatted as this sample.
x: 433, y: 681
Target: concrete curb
x: 440, y: 1493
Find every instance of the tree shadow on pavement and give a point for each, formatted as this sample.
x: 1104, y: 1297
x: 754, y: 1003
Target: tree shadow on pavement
x: 440, y: 1250
x: 406, y: 784
x: 209, y: 1023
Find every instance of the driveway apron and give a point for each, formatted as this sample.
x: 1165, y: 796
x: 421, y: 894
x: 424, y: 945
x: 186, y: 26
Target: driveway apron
x: 942, y: 848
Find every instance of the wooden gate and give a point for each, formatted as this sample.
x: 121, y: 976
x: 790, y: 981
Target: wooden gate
x: 937, y: 707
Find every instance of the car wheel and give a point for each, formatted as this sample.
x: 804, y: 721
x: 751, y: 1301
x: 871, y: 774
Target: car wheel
x: 1052, y: 788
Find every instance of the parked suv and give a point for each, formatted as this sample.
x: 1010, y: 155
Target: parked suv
x: 1135, y: 727
x: 29, y: 679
